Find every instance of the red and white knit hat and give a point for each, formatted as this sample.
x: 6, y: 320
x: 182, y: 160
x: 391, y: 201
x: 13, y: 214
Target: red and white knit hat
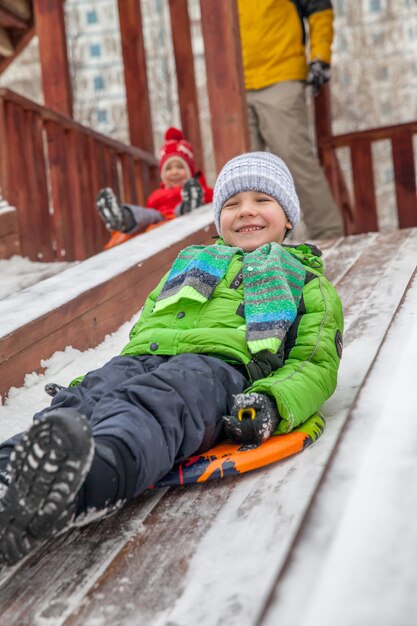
x: 176, y: 147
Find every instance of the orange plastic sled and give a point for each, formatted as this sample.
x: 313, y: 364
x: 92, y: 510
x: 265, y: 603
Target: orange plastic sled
x: 229, y: 459
x: 117, y: 237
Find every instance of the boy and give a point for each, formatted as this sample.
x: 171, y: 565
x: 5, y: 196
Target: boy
x: 182, y: 190
x: 244, y: 324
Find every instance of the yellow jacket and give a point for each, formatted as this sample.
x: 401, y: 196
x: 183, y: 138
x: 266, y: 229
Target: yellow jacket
x: 273, y: 38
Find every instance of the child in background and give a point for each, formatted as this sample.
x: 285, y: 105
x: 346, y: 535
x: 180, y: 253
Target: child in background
x: 182, y: 190
x: 245, y: 323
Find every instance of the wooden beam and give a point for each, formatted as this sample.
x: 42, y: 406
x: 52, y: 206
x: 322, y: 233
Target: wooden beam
x: 10, y: 20
x: 184, y: 64
x: 134, y: 62
x: 6, y: 46
x: 23, y: 42
x: 50, y: 27
x: 229, y: 122
x: 405, y: 179
x: 328, y: 157
x: 20, y: 8
x: 366, y: 219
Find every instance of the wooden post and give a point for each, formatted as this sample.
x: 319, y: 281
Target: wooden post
x: 225, y: 84
x: 184, y: 64
x: 50, y: 27
x: 137, y: 99
x: 328, y: 157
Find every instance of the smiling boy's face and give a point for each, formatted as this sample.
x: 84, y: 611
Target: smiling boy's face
x: 250, y: 219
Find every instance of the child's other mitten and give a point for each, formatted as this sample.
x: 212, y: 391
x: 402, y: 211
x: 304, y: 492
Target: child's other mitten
x: 253, y: 419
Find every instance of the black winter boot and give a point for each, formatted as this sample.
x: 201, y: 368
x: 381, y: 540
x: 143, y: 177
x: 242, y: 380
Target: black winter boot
x: 47, y: 468
x: 114, y: 215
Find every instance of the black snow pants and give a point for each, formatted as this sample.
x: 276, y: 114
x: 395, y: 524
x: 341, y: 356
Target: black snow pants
x: 147, y: 413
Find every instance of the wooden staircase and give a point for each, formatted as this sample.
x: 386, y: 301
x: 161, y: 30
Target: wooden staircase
x: 242, y: 550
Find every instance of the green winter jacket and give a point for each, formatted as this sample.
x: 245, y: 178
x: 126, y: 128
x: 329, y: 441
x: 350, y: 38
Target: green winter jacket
x: 300, y: 377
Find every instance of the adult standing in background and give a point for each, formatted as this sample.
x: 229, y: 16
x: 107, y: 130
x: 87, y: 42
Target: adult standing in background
x: 276, y: 71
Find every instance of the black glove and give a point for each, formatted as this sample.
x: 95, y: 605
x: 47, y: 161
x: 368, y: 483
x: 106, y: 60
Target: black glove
x: 319, y: 73
x: 192, y: 197
x: 114, y: 215
x: 253, y: 420
x: 52, y: 389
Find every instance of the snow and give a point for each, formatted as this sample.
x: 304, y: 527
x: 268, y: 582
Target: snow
x: 18, y: 273
x: 360, y: 550
x: 26, y: 305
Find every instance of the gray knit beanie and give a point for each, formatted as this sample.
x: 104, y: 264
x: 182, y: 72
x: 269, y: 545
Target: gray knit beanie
x: 257, y: 171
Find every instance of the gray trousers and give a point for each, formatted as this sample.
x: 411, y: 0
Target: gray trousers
x: 278, y: 122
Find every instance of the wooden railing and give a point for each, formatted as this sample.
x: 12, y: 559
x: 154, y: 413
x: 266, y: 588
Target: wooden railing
x: 51, y: 169
x: 360, y: 213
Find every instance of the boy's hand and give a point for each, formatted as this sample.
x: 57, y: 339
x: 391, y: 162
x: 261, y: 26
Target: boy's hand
x: 319, y: 73
x: 253, y: 420
x: 52, y: 389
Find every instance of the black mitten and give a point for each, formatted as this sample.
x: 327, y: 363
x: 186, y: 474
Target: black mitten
x: 53, y: 388
x: 253, y: 420
x: 319, y: 73
x: 192, y: 196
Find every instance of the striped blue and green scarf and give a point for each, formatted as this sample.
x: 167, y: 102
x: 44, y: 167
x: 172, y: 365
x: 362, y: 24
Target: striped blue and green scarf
x: 272, y: 283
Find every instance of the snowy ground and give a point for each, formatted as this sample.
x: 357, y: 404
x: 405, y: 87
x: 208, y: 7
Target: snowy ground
x: 18, y: 273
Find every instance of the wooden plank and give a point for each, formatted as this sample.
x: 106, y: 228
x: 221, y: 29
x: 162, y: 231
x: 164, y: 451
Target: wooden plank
x: 184, y: 64
x: 405, y: 179
x: 60, y: 192
x: 6, y: 46
x: 364, y: 187
x: 324, y: 533
x: 77, y: 163
x: 142, y: 181
x: 8, y: 221
x: 9, y: 246
x: 4, y: 148
x: 128, y: 177
x: 19, y: 147
x: 20, y: 8
x: 50, y: 28
x: 11, y: 20
x: 175, y: 569
x: 97, y: 181
x: 94, y: 235
x: 85, y: 553
x: 18, y: 47
x: 9, y: 233
x: 39, y: 227
x: 84, y: 321
x: 134, y: 63
x: 226, y: 91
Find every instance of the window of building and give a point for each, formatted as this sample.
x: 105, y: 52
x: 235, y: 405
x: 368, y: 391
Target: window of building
x: 95, y: 50
x: 374, y: 6
x: 92, y: 17
x: 98, y: 83
x: 102, y: 115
